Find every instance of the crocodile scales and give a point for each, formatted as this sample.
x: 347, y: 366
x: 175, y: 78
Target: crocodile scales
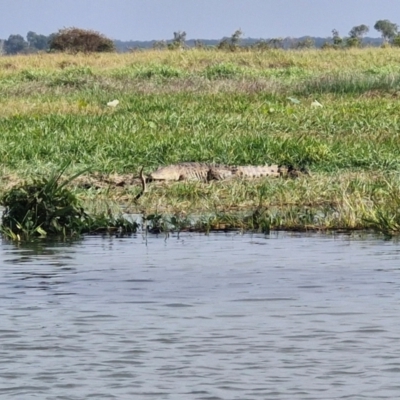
x: 206, y: 172
x: 196, y: 171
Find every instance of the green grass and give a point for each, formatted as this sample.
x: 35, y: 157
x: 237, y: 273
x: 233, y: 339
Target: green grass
x: 241, y: 108
x: 45, y: 207
x: 151, y: 130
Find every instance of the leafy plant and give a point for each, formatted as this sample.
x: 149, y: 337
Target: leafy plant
x: 385, y: 217
x: 46, y: 207
x: 43, y: 207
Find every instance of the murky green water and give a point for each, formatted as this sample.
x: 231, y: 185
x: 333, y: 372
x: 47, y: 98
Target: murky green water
x: 201, y: 317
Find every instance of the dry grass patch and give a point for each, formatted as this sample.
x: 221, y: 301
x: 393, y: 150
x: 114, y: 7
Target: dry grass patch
x: 35, y: 107
x: 196, y: 59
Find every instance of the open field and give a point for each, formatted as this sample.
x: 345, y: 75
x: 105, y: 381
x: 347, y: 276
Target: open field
x: 232, y: 108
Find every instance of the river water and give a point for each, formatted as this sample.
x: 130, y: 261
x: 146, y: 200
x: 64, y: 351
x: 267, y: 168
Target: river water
x: 223, y: 316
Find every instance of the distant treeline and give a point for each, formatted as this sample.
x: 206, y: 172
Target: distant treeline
x: 17, y: 44
x: 285, y: 43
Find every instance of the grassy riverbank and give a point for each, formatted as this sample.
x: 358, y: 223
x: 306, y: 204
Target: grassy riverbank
x: 232, y: 108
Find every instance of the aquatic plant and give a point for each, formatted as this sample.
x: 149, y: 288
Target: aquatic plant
x: 46, y: 207
x: 385, y: 215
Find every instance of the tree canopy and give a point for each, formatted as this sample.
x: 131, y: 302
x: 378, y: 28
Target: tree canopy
x: 75, y: 40
x: 387, y: 29
x: 15, y: 44
x: 358, y: 32
x: 38, y: 42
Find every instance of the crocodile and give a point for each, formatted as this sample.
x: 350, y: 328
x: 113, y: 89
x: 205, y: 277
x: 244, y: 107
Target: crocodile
x: 191, y: 171
x: 196, y: 171
x: 206, y: 172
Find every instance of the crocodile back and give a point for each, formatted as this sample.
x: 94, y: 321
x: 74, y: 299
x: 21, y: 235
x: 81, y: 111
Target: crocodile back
x: 251, y: 171
x: 197, y: 171
x: 220, y: 172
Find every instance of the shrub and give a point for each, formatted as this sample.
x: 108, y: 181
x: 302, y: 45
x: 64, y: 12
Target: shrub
x: 75, y: 40
x: 353, y: 42
x: 43, y: 207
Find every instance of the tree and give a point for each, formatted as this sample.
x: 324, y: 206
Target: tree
x: 262, y: 45
x: 236, y: 37
x: 337, y: 40
x: 198, y: 44
x: 232, y: 43
x: 178, y: 42
x: 75, y: 40
x: 358, y: 32
x: 224, y: 44
x: 387, y: 29
x: 276, y: 43
x: 307, y: 43
x: 159, y: 44
x: 335, y: 43
x: 38, y: 42
x: 15, y: 44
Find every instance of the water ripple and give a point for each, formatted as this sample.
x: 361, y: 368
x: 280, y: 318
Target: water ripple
x: 223, y: 316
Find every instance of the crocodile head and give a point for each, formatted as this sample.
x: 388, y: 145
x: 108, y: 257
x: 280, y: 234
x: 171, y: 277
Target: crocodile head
x: 169, y: 173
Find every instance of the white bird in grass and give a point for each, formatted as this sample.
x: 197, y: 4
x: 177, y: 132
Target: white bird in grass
x: 113, y: 103
x: 316, y: 103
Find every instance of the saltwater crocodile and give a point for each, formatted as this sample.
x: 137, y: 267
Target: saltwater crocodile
x: 195, y: 171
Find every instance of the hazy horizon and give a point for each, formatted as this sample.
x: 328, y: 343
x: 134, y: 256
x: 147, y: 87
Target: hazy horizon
x: 145, y: 20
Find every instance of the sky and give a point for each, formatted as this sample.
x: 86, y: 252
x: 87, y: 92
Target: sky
x: 200, y: 19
